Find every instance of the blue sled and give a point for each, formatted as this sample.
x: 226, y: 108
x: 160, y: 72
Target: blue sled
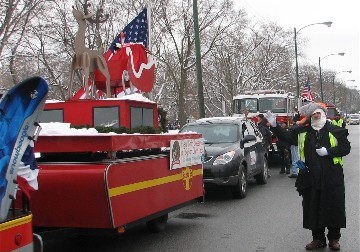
x: 20, y: 107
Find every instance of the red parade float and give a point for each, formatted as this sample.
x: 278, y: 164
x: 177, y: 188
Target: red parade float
x: 107, y: 181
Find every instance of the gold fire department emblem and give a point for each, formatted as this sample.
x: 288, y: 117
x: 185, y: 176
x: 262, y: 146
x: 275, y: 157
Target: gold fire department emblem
x: 187, y: 175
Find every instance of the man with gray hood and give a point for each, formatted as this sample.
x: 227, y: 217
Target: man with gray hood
x: 321, y: 180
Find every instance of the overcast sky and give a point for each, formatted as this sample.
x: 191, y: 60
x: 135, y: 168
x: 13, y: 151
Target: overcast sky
x: 342, y: 36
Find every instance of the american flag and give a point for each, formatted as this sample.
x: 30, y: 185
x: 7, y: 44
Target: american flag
x: 28, y: 171
x: 306, y: 94
x: 135, y: 32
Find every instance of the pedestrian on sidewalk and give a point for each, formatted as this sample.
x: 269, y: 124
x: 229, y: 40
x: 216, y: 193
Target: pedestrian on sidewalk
x: 321, y: 181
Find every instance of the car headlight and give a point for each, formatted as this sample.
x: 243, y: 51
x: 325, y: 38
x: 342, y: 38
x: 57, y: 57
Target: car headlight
x: 224, y: 158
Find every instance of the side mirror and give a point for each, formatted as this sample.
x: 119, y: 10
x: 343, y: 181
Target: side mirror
x: 246, y: 139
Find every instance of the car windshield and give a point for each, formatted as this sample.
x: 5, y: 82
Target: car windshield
x: 354, y: 116
x: 215, y: 133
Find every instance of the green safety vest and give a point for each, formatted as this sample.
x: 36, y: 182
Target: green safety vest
x: 333, y: 143
x: 338, y: 123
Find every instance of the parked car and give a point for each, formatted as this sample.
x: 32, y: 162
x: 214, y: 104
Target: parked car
x: 354, y: 119
x: 234, y: 153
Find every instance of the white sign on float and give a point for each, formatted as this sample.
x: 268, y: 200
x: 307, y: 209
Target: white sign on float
x: 186, y: 152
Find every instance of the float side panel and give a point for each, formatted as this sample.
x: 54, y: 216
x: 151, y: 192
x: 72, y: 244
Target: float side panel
x: 140, y: 189
x: 71, y: 195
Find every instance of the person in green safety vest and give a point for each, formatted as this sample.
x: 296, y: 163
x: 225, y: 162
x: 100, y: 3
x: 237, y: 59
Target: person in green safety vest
x: 338, y: 121
x: 320, y: 180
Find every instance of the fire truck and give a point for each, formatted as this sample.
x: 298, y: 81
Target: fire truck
x: 253, y: 103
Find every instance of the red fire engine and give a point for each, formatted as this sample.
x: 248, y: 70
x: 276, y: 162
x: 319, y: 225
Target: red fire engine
x: 253, y: 103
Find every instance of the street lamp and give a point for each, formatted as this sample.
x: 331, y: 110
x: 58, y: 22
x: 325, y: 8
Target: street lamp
x: 198, y: 61
x: 328, y: 24
x: 349, y: 71
x: 346, y: 104
x: 320, y: 59
x: 351, y: 87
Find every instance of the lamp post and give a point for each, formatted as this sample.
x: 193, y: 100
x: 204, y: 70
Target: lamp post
x: 320, y: 59
x: 346, y: 104
x: 328, y: 24
x: 349, y: 71
x: 198, y: 61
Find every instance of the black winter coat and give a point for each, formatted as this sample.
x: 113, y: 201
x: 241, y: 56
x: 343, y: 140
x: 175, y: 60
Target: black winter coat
x: 266, y: 134
x: 323, y: 188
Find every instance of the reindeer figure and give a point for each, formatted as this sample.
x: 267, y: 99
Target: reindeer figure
x: 86, y: 59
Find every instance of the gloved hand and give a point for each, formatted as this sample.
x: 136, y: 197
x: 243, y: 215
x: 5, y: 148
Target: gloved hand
x: 301, y: 165
x: 322, y: 151
x: 271, y: 118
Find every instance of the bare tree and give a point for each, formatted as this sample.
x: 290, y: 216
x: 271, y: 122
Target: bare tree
x: 15, y: 15
x: 15, y: 20
x: 270, y: 66
x: 177, y: 52
x: 222, y: 67
x: 37, y: 38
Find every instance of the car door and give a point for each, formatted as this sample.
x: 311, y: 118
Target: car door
x: 259, y: 147
x: 249, y: 148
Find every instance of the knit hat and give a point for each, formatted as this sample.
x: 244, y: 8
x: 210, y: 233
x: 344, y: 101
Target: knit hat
x: 308, y: 109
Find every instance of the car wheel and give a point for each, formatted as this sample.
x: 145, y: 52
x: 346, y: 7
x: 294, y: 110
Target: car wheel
x: 262, y: 178
x: 239, y: 191
x: 157, y: 225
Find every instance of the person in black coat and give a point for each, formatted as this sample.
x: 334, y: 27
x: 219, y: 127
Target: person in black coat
x: 284, y: 152
x: 321, y: 181
x: 265, y: 132
x: 296, y: 116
